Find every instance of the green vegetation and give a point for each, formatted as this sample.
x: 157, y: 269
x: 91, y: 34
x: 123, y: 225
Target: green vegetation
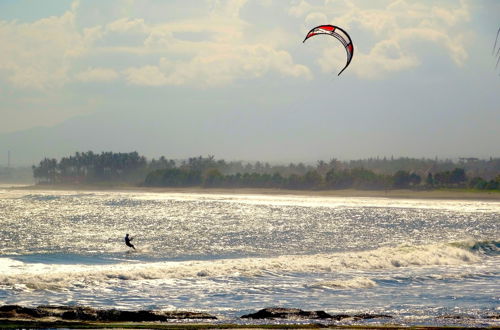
x: 88, y: 167
x: 369, y: 174
x: 357, y: 178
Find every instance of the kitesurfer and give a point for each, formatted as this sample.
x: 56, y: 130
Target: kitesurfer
x: 127, y: 241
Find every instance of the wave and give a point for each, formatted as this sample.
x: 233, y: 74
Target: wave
x: 488, y: 247
x: 57, y: 276
x: 354, y: 283
x: 41, y: 198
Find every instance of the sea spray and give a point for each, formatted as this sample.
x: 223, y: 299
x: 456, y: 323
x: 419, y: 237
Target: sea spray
x: 353, y: 283
x: 40, y: 277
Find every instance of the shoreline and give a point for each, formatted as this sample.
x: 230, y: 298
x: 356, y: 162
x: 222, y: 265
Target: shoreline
x: 199, y: 326
x: 78, y: 317
x: 442, y: 194
x: 21, y: 324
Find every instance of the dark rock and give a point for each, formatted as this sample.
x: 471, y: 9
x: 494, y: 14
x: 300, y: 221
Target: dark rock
x: 182, y: 315
x: 450, y: 317
x: 8, y: 308
x: 15, y: 311
x: 457, y: 317
x: 287, y: 313
x: 295, y: 313
x: 339, y: 317
x: 366, y: 316
x: 493, y: 317
x: 81, y: 313
x: 114, y: 315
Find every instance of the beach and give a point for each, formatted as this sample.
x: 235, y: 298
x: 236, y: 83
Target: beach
x: 392, y: 193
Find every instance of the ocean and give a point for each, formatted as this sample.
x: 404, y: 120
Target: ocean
x: 432, y: 262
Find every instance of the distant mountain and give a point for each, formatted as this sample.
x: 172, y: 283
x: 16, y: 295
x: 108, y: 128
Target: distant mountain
x: 97, y: 132
x: 151, y: 133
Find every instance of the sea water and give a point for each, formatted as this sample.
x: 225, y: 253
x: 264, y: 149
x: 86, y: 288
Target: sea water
x: 420, y: 261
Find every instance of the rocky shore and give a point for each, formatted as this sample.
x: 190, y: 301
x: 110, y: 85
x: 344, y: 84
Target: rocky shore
x: 81, y: 313
x: 298, y: 314
x: 13, y: 316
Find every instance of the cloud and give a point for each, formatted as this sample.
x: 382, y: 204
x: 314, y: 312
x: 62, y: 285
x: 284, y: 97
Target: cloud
x: 221, y: 47
x: 212, y: 50
x: 222, y: 66
x: 398, y: 29
x: 315, y: 19
x: 227, y: 8
x: 219, y: 67
x: 40, y: 54
x: 97, y: 75
x: 148, y: 75
x: 126, y: 25
x: 300, y: 8
x: 384, y: 58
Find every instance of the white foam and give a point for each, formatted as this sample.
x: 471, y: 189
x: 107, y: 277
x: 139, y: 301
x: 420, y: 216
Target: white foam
x: 354, y: 283
x: 7, y: 264
x: 39, y: 276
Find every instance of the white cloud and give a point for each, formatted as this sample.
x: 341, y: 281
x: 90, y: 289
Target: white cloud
x: 46, y: 52
x: 97, y: 75
x: 219, y: 67
x: 227, y: 8
x: 452, y: 16
x: 40, y: 54
x: 148, y: 75
x: 455, y: 46
x: 385, y: 57
x: 300, y: 8
x: 221, y: 58
x: 315, y: 19
x: 126, y: 25
x: 224, y: 47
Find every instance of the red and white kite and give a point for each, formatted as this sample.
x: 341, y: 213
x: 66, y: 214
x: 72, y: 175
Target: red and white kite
x: 338, y: 33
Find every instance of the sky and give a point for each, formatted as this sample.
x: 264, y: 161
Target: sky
x: 234, y: 80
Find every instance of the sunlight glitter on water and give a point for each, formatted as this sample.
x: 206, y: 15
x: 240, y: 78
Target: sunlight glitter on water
x: 232, y: 253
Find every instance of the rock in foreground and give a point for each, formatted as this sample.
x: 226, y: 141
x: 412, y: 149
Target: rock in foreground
x: 295, y: 313
x: 287, y: 313
x: 80, y: 313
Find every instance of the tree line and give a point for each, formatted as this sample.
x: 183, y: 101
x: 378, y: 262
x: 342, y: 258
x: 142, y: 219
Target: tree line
x: 357, y: 178
x: 372, y: 173
x: 90, y: 167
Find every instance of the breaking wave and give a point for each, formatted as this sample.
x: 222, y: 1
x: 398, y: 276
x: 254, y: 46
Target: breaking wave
x: 354, y: 283
x: 17, y: 274
x: 490, y: 248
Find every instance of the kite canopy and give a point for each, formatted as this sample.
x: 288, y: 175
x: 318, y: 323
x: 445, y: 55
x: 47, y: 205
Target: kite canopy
x: 338, y: 33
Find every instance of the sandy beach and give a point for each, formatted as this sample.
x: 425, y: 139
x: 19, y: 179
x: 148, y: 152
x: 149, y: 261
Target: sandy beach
x: 457, y: 194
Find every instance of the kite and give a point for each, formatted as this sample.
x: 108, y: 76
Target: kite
x: 338, y: 33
